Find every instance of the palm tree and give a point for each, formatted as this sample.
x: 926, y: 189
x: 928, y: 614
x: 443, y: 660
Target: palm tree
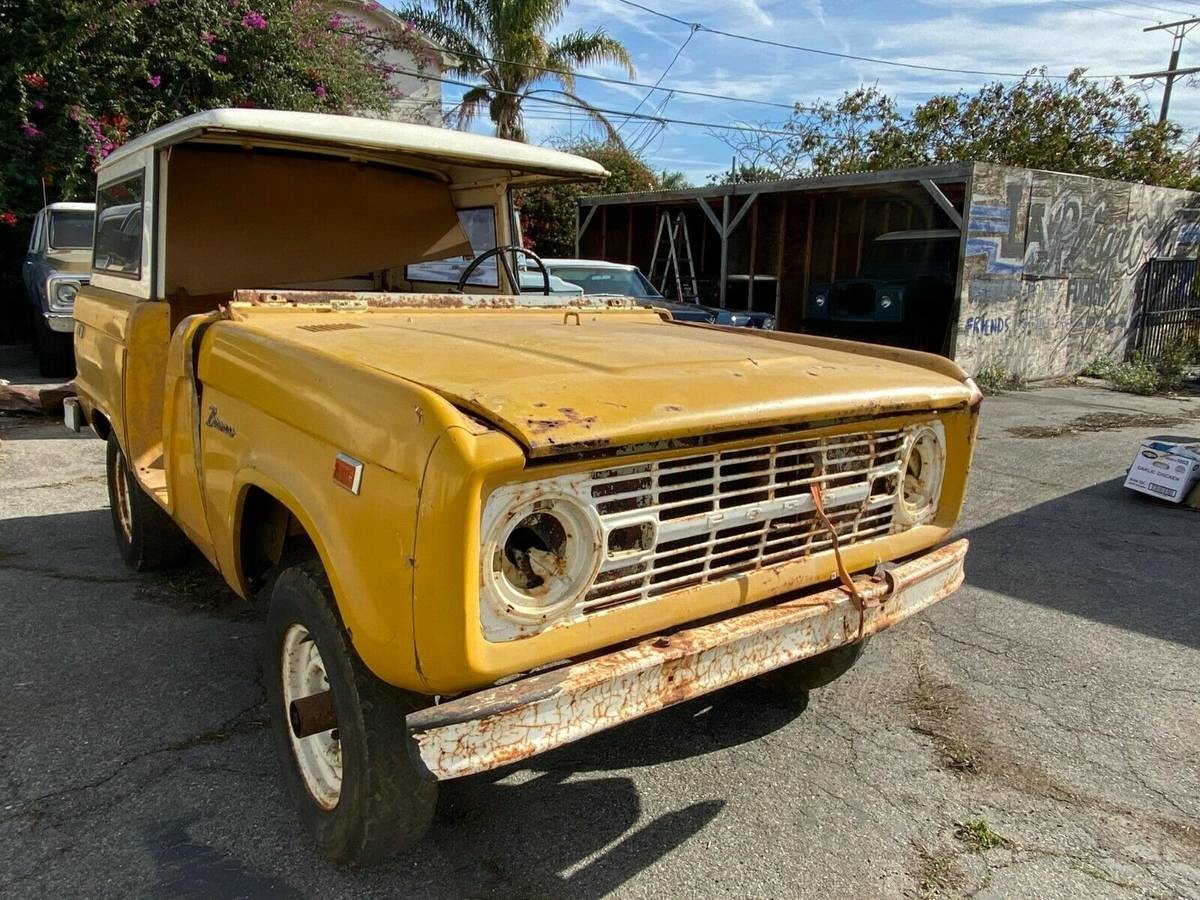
x: 503, y: 44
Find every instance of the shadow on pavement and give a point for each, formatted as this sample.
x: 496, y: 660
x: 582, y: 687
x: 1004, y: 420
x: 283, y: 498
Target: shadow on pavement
x: 1104, y: 553
x: 565, y: 824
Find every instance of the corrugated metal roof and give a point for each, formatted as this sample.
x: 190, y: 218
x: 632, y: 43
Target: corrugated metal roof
x: 950, y: 172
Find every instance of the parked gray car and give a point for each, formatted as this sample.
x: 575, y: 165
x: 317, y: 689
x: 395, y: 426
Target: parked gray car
x: 57, y: 264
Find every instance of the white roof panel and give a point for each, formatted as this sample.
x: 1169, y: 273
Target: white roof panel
x: 441, y: 148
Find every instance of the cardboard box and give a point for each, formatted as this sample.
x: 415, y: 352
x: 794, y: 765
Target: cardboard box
x: 1165, y: 470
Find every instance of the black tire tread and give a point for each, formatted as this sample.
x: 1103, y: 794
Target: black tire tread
x: 157, y: 541
x: 396, y: 800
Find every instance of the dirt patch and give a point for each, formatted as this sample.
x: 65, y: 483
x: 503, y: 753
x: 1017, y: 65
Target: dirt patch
x: 937, y: 874
x: 196, y: 588
x: 1099, y: 421
x: 1186, y: 835
x: 944, y: 713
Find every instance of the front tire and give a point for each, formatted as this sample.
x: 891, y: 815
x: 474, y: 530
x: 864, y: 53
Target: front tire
x: 146, y: 536
x: 814, y: 672
x: 360, y: 789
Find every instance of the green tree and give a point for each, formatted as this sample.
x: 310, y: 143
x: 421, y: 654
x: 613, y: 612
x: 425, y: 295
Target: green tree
x: 1079, y: 125
x: 503, y: 44
x: 548, y: 213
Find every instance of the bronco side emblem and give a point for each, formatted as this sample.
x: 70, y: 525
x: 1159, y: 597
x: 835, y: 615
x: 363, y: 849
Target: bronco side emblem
x: 214, y: 421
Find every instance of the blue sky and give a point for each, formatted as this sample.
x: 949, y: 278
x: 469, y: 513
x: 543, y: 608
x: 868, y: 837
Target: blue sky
x: 992, y: 35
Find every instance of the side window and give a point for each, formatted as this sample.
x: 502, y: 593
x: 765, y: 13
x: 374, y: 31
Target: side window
x: 118, y: 248
x: 35, y: 239
x: 479, y: 225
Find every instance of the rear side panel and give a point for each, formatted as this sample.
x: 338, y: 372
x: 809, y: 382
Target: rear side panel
x: 101, y: 330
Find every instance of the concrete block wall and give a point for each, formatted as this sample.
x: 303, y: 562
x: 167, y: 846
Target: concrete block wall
x: 1053, y: 263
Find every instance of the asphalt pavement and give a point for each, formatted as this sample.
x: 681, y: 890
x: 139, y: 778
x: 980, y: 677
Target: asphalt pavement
x: 1037, y: 734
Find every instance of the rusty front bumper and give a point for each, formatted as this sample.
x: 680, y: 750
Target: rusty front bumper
x: 512, y: 722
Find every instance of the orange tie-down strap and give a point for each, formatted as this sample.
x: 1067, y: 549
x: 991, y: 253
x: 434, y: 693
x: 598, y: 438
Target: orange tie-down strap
x: 860, y: 602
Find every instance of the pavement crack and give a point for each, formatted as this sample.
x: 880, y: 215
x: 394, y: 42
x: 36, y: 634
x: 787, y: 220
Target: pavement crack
x: 251, y: 718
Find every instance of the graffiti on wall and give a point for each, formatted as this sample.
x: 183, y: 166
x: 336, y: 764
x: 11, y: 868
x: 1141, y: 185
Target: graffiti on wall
x: 1053, y: 262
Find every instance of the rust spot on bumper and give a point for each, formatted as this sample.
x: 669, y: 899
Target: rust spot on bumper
x: 497, y: 726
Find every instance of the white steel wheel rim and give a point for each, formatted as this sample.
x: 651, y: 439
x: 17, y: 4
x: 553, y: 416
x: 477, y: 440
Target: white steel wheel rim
x: 318, y: 757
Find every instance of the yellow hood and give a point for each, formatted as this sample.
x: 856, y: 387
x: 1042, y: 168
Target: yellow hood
x: 558, y: 381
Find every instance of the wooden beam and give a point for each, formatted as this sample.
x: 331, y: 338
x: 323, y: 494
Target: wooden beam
x: 943, y: 202
x: 741, y: 214
x: 862, y: 233
x: 712, y: 216
x: 753, y: 256
x: 837, y: 226
x: 629, y: 237
x: 779, y: 257
x: 580, y: 228
x: 808, y: 238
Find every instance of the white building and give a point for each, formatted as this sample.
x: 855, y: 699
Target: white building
x: 419, y: 98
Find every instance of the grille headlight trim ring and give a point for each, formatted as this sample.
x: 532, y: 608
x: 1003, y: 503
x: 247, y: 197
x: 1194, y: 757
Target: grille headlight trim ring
x: 923, y: 468
x: 58, y: 286
x: 540, y: 554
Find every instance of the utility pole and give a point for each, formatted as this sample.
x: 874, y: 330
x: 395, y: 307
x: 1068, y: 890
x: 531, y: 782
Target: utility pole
x: 1178, y: 30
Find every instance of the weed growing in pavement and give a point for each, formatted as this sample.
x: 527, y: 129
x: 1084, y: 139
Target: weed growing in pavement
x: 1139, y: 375
x: 937, y: 875
x: 979, y: 836
x: 993, y: 379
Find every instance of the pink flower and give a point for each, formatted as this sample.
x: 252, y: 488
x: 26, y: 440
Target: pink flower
x: 38, y: 104
x: 30, y: 130
x: 155, y: 80
x: 222, y: 59
x: 74, y: 113
x: 319, y: 90
x: 254, y: 20
x: 208, y: 37
x: 8, y: 217
x: 335, y: 21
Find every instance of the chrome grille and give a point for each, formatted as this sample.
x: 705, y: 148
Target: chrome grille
x: 686, y: 521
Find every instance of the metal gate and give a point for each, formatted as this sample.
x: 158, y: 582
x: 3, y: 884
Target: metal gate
x: 1170, y: 307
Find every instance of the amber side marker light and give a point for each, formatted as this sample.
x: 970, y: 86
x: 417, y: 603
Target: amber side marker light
x: 347, y: 471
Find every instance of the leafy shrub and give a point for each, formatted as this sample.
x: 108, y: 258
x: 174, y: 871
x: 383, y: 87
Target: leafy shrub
x: 1139, y: 375
x: 994, y: 379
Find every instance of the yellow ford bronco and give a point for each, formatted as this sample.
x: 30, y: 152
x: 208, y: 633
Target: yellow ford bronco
x: 488, y: 523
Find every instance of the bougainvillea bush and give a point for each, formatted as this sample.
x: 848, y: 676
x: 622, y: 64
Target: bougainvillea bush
x: 80, y: 77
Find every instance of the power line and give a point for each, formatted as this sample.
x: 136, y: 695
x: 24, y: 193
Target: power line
x: 667, y: 120
x: 1174, y: 12
x: 600, y: 78
x: 851, y: 56
x: 1111, y: 12
x: 616, y: 113
x: 674, y: 59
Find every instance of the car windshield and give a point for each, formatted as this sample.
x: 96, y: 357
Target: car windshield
x: 70, y: 230
x: 606, y: 280
x: 906, y: 258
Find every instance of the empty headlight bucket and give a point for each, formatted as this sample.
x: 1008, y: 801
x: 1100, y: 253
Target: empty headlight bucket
x: 539, y: 557
x: 62, y: 292
x: 923, y: 466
